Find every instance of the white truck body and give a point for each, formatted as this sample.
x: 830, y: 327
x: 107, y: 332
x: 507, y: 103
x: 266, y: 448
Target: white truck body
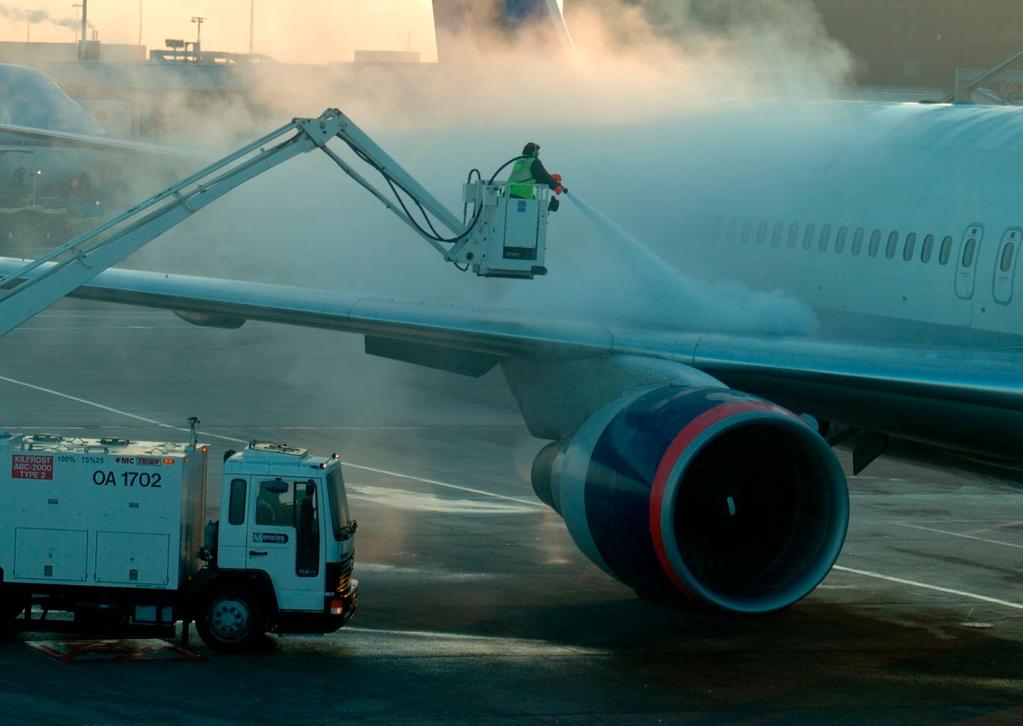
x: 100, y: 512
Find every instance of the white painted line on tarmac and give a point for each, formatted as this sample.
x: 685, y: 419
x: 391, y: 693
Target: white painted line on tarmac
x: 428, y: 502
x: 446, y: 485
x: 421, y: 634
x: 100, y: 406
x: 94, y: 331
x: 454, y: 427
x: 430, y: 573
x: 959, y: 534
x: 935, y: 588
x: 161, y: 424
x: 1016, y: 523
x: 530, y: 644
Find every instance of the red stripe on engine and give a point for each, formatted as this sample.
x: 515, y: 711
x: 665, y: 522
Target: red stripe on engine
x: 671, y: 456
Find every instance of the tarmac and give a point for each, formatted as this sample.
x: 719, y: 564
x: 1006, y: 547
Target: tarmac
x: 475, y: 605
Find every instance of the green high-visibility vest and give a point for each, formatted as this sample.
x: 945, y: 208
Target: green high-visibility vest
x: 520, y: 181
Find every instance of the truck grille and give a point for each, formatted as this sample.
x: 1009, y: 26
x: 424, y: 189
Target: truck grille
x: 339, y: 575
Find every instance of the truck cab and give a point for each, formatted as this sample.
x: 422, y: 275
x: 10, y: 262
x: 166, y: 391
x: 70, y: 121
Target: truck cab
x: 285, y: 541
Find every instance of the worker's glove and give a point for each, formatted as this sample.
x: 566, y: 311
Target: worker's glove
x: 558, y: 189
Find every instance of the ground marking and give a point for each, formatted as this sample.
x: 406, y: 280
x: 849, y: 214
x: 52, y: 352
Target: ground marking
x: 36, y: 328
x: 959, y: 534
x: 422, y: 633
x: 492, y: 639
x: 935, y: 588
x: 996, y: 526
x: 434, y: 482
x: 161, y: 424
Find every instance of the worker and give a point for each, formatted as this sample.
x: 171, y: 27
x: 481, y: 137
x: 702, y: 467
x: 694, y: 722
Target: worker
x: 529, y: 170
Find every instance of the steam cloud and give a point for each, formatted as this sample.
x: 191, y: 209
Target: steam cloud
x: 629, y: 121
x: 35, y: 17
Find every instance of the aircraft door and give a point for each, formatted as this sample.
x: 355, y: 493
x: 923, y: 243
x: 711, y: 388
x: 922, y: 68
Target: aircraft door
x: 285, y: 541
x: 966, y: 265
x: 1005, y: 265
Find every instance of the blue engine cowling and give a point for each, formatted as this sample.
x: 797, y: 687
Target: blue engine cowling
x: 707, y: 493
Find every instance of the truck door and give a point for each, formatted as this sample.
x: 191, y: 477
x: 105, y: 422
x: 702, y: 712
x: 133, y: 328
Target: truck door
x: 285, y: 541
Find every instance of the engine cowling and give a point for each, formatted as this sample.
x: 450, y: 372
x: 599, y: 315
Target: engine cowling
x: 705, y: 493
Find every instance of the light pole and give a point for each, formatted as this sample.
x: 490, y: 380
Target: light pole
x: 35, y: 184
x: 198, y: 34
x: 77, y: 7
x: 85, y: 26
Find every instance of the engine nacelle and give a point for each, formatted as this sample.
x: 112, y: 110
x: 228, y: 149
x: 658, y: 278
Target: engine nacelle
x: 719, y: 496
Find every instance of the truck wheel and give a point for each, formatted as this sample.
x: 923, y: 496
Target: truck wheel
x: 9, y: 610
x: 232, y: 620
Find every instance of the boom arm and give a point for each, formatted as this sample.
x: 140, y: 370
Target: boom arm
x: 478, y: 243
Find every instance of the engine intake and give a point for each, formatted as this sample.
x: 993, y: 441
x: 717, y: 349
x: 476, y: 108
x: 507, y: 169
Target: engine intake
x: 707, y: 493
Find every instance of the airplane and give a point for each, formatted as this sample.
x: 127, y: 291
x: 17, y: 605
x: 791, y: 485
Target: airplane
x: 46, y: 134
x: 467, y: 26
x: 32, y: 99
x: 694, y: 461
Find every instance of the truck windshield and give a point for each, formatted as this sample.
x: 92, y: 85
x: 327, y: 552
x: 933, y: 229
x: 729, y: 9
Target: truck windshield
x: 339, y: 515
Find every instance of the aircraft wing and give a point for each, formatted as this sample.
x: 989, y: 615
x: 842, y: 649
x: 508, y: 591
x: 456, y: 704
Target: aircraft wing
x: 102, y: 143
x: 971, y: 400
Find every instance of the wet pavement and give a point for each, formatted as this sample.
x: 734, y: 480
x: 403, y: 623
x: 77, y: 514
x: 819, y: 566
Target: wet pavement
x: 475, y: 605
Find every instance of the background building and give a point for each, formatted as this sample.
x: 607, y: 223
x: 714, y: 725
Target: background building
x: 920, y: 43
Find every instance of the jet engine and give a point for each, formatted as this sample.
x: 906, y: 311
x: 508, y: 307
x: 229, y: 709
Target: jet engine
x: 702, y: 493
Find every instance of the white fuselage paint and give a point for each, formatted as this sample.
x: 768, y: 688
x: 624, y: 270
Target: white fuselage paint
x: 881, y: 177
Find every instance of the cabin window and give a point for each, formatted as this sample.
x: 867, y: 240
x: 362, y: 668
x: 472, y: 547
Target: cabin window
x: 875, y: 243
x: 945, y: 253
x: 236, y: 502
x: 716, y: 229
x: 840, y: 239
x: 747, y: 230
x: 910, y: 248
x: 779, y: 230
x: 927, y: 248
x: 793, y: 234
x: 857, y: 244
x: 733, y: 227
x: 825, y: 237
x: 762, y: 232
x: 274, y: 504
x: 969, y: 249
x: 1005, y: 264
x: 808, y: 236
x: 893, y: 244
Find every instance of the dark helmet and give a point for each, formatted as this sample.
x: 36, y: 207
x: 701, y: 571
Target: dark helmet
x: 531, y: 149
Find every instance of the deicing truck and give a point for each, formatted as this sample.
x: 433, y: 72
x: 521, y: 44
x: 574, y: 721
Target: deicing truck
x: 111, y: 531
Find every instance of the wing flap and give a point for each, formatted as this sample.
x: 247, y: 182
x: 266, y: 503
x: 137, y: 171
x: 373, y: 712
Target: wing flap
x: 451, y: 360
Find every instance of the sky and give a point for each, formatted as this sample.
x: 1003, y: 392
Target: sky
x: 296, y: 31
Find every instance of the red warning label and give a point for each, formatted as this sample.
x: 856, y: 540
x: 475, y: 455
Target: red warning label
x: 24, y: 466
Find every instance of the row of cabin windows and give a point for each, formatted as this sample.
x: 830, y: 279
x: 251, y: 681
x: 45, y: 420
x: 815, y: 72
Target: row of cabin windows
x: 842, y: 239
